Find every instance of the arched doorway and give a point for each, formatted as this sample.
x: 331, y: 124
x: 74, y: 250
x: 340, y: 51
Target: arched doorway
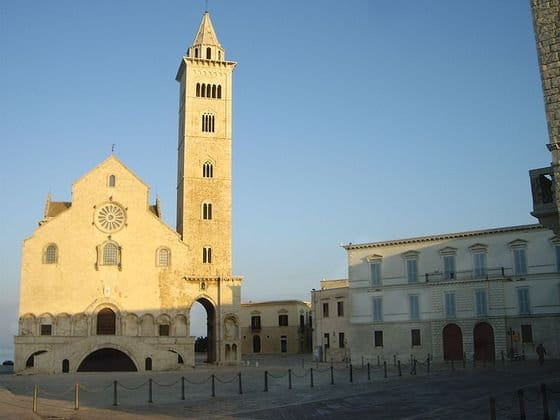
x: 31, y: 359
x: 107, y: 360
x: 256, y: 344
x: 65, y: 366
x: 106, y: 322
x: 205, y: 334
x: 484, y: 342
x: 452, y: 342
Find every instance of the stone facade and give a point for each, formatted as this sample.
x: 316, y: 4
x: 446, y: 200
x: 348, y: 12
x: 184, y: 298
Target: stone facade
x: 331, y: 325
x: 471, y: 294
x: 106, y: 284
x: 282, y: 326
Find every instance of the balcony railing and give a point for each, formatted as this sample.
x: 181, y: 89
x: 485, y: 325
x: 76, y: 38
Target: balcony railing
x: 483, y: 274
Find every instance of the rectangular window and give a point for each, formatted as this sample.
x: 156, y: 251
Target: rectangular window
x: 481, y: 302
x: 340, y: 340
x: 46, y: 329
x: 523, y: 300
x: 327, y: 340
x: 415, y: 336
x: 164, y: 329
x: 375, y: 269
x: 450, y: 311
x: 325, y: 310
x: 479, y: 260
x: 414, y: 306
x: 378, y: 338
x: 412, y: 270
x: 283, y: 320
x: 256, y: 322
x: 520, y: 261
x: 526, y: 334
x: 378, y: 308
x: 449, y: 267
x: 340, y: 308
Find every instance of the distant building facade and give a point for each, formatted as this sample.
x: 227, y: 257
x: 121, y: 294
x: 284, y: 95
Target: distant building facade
x: 282, y: 326
x: 473, y: 293
x: 331, y: 316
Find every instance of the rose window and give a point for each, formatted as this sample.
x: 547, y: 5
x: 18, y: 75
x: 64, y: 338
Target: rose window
x: 110, y: 217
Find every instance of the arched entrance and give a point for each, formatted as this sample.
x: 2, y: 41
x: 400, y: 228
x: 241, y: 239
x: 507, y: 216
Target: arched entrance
x: 31, y: 359
x: 452, y: 342
x: 107, y: 360
x: 484, y: 342
x: 256, y: 344
x: 205, y: 344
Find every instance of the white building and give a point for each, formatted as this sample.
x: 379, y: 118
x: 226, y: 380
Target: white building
x: 476, y: 293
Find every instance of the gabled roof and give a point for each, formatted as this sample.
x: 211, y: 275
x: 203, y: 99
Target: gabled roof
x: 54, y: 208
x: 206, y: 34
x: 113, y: 157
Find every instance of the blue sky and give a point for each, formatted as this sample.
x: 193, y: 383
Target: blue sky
x: 353, y: 121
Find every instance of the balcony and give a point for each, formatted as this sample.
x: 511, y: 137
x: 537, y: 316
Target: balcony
x: 544, y: 202
x: 488, y: 274
x: 255, y: 328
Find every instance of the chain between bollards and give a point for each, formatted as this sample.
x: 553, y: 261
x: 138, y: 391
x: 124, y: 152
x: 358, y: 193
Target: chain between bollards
x: 265, y: 381
x: 213, y: 385
x: 289, y: 378
x: 522, y: 414
x: 546, y: 416
x: 492, y: 408
x: 240, y: 383
x: 115, y: 396
x: 182, y: 387
x: 35, y: 396
x: 384, y: 369
x: 311, y: 377
x: 77, y: 397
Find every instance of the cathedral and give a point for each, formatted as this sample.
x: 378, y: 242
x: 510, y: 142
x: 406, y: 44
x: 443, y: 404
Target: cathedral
x: 106, y: 285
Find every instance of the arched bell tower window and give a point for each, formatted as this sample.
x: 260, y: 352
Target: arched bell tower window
x: 219, y: 92
x: 213, y: 91
x: 208, y: 53
x: 207, y: 170
x: 206, y: 255
x: 51, y: 254
x: 207, y: 211
x: 208, y: 123
x: 198, y: 90
x: 203, y: 90
x: 111, y: 181
x: 196, y: 53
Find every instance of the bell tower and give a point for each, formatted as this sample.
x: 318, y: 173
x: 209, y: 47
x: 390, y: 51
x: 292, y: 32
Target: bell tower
x: 204, y: 153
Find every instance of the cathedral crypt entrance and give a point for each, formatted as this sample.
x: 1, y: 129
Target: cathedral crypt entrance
x: 107, y: 360
x: 484, y: 342
x: 452, y: 342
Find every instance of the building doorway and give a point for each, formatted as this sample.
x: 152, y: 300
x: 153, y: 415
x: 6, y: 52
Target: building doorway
x: 256, y: 344
x: 452, y: 342
x: 284, y: 344
x: 484, y: 342
x: 202, y: 319
x: 107, y: 360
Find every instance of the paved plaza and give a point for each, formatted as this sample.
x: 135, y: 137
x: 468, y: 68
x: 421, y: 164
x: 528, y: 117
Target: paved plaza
x: 445, y: 392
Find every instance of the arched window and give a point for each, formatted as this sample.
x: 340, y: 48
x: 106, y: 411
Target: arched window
x: 196, y: 53
x: 111, y: 181
x: 213, y: 91
x: 219, y: 91
x: 164, y: 257
x: 188, y: 50
x: 203, y: 90
x: 208, y: 53
x: 198, y: 89
x: 110, y: 254
x: 207, y: 170
x: 211, y: 123
x: 208, y: 123
x: 219, y: 55
x: 207, y: 255
x: 106, y: 322
x: 207, y: 211
x: 51, y: 254
x: 148, y: 364
x: 65, y: 366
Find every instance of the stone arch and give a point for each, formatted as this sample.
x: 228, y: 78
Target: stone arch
x: 147, y: 325
x: 483, y: 337
x: 452, y: 342
x: 30, y: 360
x: 211, y: 325
x: 112, y: 358
x: 80, y: 324
x: 234, y: 352
x: 164, y: 320
x: 28, y: 324
x: 63, y: 324
x: 131, y: 325
x: 46, y: 319
x: 180, y: 326
x: 101, y: 306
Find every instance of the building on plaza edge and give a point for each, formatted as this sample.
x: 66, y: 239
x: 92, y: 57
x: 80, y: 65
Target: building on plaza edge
x: 106, y: 284
x: 477, y: 294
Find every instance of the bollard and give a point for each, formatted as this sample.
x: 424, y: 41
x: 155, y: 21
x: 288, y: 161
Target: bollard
x: 368, y: 373
x: 35, y: 395
x: 77, y: 397
x: 289, y: 378
x: 115, y: 399
x: 546, y: 416
x: 351, y: 374
x: 332, y: 375
x: 394, y: 360
x: 240, y: 384
x: 492, y: 408
x: 503, y: 358
x: 257, y: 364
x: 311, y: 377
x: 378, y: 361
x: 399, y: 367
x: 428, y: 364
x: 265, y: 381
x: 522, y: 414
x: 414, y: 367
x: 452, y: 365
x: 182, y: 387
x: 150, y: 400
x: 384, y: 369
x: 523, y: 354
x: 213, y: 385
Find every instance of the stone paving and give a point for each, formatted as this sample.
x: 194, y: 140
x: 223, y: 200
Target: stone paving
x: 441, y: 394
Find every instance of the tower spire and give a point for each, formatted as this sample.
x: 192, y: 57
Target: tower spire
x: 206, y: 34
